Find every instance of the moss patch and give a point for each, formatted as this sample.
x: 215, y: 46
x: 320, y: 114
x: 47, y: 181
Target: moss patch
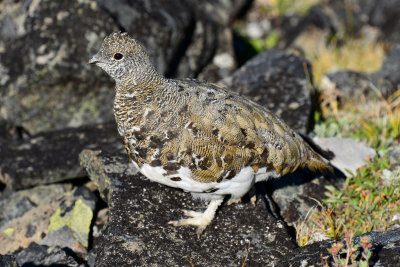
x: 8, y: 231
x: 78, y: 219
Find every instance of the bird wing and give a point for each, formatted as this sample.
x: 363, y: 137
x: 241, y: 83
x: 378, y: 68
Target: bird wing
x: 224, y: 133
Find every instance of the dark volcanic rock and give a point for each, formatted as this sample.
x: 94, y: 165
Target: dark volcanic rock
x: 52, y: 156
x: 387, y: 79
x: 8, y: 261
x: 182, y: 37
x: 348, y: 83
x: 310, y: 31
x: 375, y: 19
x: 279, y: 81
x: 41, y: 255
x: 45, y: 81
x: 9, y: 131
x: 138, y: 234
x: 385, y: 16
x: 337, y: 20
x: 354, y: 15
x: 165, y: 27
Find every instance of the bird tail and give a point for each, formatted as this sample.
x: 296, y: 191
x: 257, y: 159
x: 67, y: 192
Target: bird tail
x: 317, y: 163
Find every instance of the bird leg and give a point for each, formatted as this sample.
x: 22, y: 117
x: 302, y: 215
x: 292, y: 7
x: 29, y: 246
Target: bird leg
x: 253, y: 195
x: 199, y: 219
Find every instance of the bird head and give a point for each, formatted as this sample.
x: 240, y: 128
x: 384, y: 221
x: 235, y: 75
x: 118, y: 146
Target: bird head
x: 122, y: 57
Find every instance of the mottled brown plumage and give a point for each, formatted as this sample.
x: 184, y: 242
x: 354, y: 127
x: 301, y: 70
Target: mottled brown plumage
x: 194, y: 135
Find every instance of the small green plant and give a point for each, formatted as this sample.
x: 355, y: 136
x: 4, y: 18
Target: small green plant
x: 369, y: 201
x: 307, y: 232
x: 268, y: 42
x: 373, y: 119
x: 346, y: 255
x: 284, y: 7
x: 317, y: 228
x: 370, y: 198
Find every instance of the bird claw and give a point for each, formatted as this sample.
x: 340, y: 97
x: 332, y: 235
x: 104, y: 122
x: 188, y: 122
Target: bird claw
x: 253, y: 200
x: 199, y: 219
x: 196, y: 220
x: 233, y: 201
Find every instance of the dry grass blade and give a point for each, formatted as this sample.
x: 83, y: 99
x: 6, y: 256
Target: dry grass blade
x: 247, y: 254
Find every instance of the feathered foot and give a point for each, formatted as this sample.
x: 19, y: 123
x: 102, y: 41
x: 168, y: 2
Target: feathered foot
x: 199, y: 219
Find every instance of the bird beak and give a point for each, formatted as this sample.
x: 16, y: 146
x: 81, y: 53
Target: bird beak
x: 93, y: 60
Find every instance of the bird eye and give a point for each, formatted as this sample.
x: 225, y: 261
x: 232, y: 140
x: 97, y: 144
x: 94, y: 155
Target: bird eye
x: 118, y: 56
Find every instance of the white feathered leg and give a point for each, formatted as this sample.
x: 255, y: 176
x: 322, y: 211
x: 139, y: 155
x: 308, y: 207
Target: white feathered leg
x: 199, y: 219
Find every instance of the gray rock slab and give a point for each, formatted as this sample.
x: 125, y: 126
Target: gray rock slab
x: 14, y: 205
x: 61, y: 217
x: 51, y: 156
x: 114, y: 163
x: 394, y: 156
x: 138, y: 234
x: 350, y: 154
x: 63, y: 237
x: 279, y: 81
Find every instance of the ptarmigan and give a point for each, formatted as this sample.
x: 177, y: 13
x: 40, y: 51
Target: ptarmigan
x: 194, y: 135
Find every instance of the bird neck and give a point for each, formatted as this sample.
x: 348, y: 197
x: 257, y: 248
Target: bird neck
x: 134, y: 94
x: 140, y: 78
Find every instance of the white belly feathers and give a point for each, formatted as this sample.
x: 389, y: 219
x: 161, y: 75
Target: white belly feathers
x: 237, y: 187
